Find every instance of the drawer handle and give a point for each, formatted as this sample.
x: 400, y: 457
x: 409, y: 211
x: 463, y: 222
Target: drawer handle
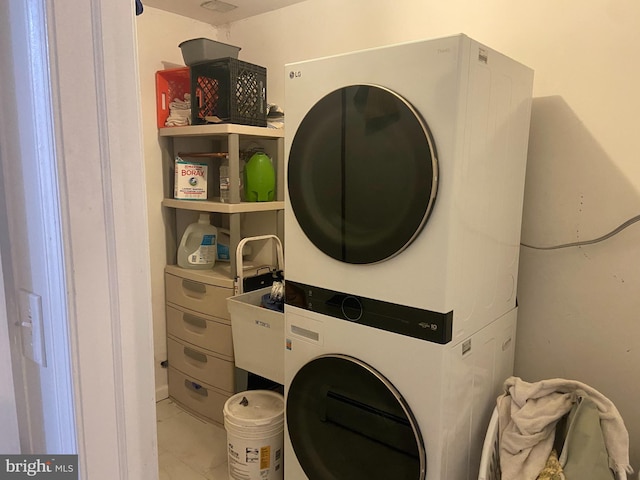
x: 191, y: 287
x: 197, y: 356
x: 196, y: 388
x: 195, y: 321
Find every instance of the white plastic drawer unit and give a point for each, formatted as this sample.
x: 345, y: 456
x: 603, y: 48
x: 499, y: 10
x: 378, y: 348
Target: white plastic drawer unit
x: 198, y: 296
x: 198, y: 397
x: 201, y: 364
x: 200, y: 329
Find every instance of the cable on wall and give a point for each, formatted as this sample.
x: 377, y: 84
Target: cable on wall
x: 615, y: 231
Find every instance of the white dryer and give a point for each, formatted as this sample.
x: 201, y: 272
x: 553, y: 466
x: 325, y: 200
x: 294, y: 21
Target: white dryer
x: 405, y: 179
x: 366, y: 404
x: 405, y: 174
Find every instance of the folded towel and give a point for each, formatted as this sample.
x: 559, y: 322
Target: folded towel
x: 275, y: 123
x: 528, y: 413
x: 177, y: 103
x: 177, y: 122
x: 179, y: 112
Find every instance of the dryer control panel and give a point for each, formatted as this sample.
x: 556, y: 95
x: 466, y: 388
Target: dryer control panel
x: 413, y: 322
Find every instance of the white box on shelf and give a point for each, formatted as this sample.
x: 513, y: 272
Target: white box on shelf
x: 190, y: 180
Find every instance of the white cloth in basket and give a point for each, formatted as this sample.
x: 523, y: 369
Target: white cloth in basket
x: 528, y: 413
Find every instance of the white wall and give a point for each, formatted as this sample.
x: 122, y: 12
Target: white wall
x: 579, y: 306
x: 159, y: 34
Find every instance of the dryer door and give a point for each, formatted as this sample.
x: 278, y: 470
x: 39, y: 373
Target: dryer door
x: 362, y: 174
x: 347, y: 422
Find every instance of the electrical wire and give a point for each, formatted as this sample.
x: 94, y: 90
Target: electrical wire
x: 615, y: 231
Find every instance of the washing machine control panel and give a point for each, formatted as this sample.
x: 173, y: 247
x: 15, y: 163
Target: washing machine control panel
x: 413, y: 322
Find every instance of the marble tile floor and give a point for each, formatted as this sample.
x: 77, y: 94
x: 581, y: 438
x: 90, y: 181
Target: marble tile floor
x: 189, y: 448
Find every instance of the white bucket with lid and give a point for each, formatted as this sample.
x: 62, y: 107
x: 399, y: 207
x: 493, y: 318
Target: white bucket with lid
x: 254, y: 421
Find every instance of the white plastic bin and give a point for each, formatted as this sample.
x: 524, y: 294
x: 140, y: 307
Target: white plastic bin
x: 258, y: 335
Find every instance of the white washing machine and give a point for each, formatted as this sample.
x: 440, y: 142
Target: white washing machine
x: 366, y: 404
x: 405, y: 173
x: 405, y: 180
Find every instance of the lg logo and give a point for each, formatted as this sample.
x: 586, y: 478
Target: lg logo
x: 293, y: 74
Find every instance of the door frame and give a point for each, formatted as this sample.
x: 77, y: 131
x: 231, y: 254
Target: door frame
x: 94, y: 169
x: 99, y: 145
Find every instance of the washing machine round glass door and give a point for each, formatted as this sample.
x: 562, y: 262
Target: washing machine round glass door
x: 362, y: 174
x: 348, y: 422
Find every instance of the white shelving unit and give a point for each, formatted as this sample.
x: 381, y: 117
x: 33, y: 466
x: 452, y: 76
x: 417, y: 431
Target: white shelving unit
x: 232, y: 139
x: 202, y: 373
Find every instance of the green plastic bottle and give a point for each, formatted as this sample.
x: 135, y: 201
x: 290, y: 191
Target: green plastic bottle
x: 259, y: 179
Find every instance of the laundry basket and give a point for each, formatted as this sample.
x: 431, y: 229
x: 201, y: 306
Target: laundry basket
x: 490, y: 458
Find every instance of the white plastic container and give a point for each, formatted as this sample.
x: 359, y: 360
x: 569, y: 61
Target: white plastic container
x: 224, y: 239
x: 254, y: 421
x: 224, y: 181
x: 258, y: 335
x: 224, y: 242
x: 198, y: 248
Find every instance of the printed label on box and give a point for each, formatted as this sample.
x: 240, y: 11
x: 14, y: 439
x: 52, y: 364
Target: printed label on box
x: 190, y: 181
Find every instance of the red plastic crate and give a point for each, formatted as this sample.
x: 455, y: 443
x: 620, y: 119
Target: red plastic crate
x: 170, y: 84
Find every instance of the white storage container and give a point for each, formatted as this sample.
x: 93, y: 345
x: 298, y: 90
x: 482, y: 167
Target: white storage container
x: 254, y: 421
x: 258, y: 335
x: 198, y: 247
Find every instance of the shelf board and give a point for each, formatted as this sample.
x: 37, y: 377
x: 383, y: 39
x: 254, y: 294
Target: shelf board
x: 218, y: 207
x: 220, y: 129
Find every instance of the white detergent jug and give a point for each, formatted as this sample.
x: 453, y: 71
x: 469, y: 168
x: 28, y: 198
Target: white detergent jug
x: 198, y: 248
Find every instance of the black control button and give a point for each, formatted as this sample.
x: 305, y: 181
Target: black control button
x: 351, y: 308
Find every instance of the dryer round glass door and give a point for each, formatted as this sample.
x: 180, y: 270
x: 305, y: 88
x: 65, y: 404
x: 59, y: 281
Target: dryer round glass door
x: 362, y: 174
x: 347, y: 422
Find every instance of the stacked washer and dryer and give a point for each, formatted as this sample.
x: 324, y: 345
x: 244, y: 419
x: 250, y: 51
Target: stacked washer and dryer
x: 405, y: 177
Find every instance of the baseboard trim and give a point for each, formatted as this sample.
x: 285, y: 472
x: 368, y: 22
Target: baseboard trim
x: 162, y: 392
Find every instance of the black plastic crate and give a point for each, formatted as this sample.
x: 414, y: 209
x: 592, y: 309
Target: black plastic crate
x: 230, y: 89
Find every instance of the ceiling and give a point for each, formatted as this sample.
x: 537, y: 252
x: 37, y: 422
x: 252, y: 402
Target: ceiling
x: 245, y: 9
